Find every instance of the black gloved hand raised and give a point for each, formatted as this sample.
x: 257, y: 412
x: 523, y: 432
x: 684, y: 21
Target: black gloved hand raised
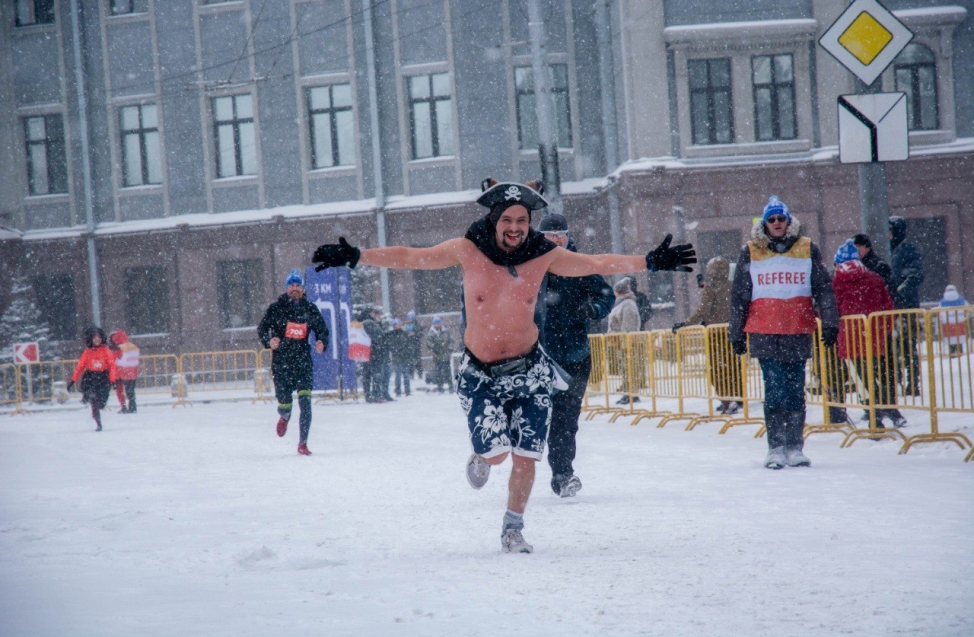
x: 830, y: 336
x: 676, y: 258
x: 332, y: 256
x: 739, y: 347
x: 70, y: 386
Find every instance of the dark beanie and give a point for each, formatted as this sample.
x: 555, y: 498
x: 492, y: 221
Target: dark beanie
x: 862, y: 240
x: 553, y: 222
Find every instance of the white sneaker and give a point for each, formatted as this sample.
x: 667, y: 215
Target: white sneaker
x: 898, y: 421
x: 776, y: 458
x: 732, y: 409
x: 513, y: 542
x: 795, y: 458
x: 477, y: 471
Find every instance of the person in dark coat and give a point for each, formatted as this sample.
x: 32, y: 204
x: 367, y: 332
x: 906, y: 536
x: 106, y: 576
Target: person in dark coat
x: 440, y: 342
x: 872, y: 261
x: 372, y: 370
x: 779, y: 281
x: 415, y: 341
x: 643, y: 304
x: 570, y: 304
x: 907, y: 266
x: 399, y: 351
x: 861, y: 292
x: 285, y: 328
x: 96, y: 371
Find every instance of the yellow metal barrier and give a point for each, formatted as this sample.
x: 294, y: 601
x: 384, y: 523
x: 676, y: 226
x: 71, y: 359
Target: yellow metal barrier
x: 949, y: 372
x: 642, y: 378
x: 156, y: 373
x: 597, y: 377
x: 730, y: 378
x: 679, y: 369
x: 219, y: 371
x: 616, y: 373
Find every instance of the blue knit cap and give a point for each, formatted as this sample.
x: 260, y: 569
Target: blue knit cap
x: 437, y: 320
x: 775, y: 207
x: 294, y: 277
x: 846, y: 252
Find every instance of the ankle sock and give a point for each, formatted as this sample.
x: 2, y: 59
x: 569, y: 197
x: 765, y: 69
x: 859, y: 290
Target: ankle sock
x: 513, y: 520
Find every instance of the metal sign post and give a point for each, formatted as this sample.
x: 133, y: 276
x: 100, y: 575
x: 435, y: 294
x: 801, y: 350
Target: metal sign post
x: 866, y: 39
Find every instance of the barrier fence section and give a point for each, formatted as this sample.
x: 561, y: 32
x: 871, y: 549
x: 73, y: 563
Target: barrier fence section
x: 887, y: 364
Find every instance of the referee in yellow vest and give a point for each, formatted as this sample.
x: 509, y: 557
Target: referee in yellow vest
x: 779, y: 284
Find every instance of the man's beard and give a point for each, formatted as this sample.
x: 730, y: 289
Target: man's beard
x: 295, y: 296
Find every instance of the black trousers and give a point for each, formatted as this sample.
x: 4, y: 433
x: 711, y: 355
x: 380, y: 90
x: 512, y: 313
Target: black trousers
x: 565, y: 408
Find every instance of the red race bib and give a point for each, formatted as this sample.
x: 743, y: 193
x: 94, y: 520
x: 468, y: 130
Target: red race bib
x: 296, y: 330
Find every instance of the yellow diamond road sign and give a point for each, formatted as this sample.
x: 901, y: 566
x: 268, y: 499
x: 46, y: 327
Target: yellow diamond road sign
x: 865, y: 39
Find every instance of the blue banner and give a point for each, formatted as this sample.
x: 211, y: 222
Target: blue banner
x: 331, y: 292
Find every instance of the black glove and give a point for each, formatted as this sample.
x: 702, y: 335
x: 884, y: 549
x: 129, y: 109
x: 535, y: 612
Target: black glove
x: 677, y: 326
x: 666, y: 258
x: 830, y: 336
x: 71, y: 385
x: 332, y: 256
x: 739, y: 347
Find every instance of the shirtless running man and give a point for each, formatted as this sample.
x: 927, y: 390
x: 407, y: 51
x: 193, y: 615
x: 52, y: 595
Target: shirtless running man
x: 505, y: 379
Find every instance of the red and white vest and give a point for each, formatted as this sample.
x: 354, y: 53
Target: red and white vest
x: 781, y: 297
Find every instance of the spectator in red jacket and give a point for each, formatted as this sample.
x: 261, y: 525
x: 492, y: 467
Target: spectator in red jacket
x: 96, y: 371
x: 127, y: 366
x: 859, y: 291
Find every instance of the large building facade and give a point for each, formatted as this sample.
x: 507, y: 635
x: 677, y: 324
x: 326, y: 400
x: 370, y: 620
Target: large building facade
x: 196, y: 150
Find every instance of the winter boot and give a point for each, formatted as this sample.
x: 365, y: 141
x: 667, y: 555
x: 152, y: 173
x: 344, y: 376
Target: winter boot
x: 478, y: 471
x: 513, y: 542
x: 795, y: 439
x: 774, y: 422
x: 131, y: 406
x: 775, y: 459
x: 565, y: 485
x: 303, y: 449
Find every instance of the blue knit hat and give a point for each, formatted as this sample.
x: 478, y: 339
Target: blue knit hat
x: 437, y: 320
x: 294, y: 277
x: 846, y: 252
x: 775, y: 207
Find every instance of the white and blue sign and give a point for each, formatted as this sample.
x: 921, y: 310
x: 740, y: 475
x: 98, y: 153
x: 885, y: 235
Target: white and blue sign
x: 331, y: 292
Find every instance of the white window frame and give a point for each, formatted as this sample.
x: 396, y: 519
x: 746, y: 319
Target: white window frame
x: 740, y: 42
x: 933, y: 27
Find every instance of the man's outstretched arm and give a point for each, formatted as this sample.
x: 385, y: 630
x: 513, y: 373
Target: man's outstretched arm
x: 664, y: 257
x: 438, y: 257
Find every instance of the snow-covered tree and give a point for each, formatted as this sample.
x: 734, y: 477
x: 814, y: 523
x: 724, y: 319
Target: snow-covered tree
x: 365, y: 286
x: 22, y: 322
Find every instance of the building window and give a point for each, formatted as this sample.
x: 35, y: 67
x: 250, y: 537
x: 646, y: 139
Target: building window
x: 34, y: 12
x: 123, y: 7
x: 55, y: 299
x: 438, y: 290
x: 47, y: 167
x: 147, y: 293
x: 241, y: 287
x: 236, y: 147
x: 527, y: 116
x: 916, y: 75
x: 332, y: 126
x: 140, y: 145
x: 774, y: 97
x: 711, y: 113
x: 431, y: 115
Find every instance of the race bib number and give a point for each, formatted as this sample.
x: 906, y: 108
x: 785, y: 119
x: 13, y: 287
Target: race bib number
x: 296, y: 330
x: 97, y: 365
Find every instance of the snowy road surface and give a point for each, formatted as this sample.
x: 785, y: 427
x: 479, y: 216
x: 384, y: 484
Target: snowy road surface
x: 200, y: 521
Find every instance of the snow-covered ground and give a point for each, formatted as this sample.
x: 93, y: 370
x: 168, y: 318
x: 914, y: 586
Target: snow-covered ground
x: 200, y: 521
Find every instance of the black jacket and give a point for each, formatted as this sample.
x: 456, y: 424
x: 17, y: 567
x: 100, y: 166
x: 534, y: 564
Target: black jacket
x: 570, y: 303
x: 880, y: 267
x: 399, y: 346
x: 907, y: 266
x: 380, y: 341
x: 293, y: 355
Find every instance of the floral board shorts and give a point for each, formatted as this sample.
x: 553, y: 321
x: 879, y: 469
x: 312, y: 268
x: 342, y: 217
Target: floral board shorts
x: 508, y: 403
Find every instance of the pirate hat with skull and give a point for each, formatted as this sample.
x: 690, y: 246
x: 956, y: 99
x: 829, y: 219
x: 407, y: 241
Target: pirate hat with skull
x: 499, y: 196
